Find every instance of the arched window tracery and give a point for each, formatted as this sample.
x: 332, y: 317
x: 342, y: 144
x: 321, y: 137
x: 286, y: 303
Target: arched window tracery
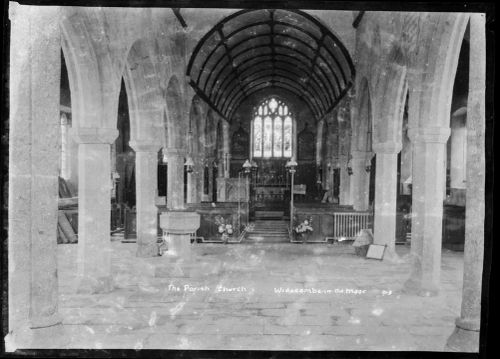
x: 272, y: 130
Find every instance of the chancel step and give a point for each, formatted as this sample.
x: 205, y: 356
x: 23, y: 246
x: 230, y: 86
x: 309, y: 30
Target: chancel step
x: 268, y: 231
x: 269, y: 215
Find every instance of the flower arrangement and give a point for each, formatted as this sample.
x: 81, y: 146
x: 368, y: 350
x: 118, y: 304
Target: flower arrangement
x: 304, y: 227
x: 225, y: 229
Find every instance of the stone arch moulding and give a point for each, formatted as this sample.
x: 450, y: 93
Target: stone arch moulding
x: 94, y: 82
x: 82, y: 74
x: 175, y: 121
x: 389, y: 88
x: 439, y: 64
x: 211, y: 120
x: 195, y: 118
x: 362, y: 121
x: 144, y: 93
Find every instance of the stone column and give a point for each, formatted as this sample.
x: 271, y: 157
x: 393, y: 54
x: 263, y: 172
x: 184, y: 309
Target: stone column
x: 406, y: 165
x: 295, y: 140
x: 210, y: 163
x: 73, y: 162
x: 175, y: 178
x: 458, y: 153
x: 345, y: 183
x: 466, y: 334
x: 360, y: 181
x: 385, y: 196
x: 34, y: 136
x: 226, y: 156
x: 429, y: 150
x: 198, y: 178
x: 146, y: 177
x: 94, y: 208
x: 191, y: 187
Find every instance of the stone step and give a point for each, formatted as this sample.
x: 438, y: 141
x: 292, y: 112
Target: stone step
x: 268, y: 234
x: 269, y: 214
x: 267, y: 239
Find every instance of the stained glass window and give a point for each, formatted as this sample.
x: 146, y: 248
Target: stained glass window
x: 277, y: 138
x: 268, y: 140
x: 272, y: 130
x: 287, y: 141
x: 257, y: 135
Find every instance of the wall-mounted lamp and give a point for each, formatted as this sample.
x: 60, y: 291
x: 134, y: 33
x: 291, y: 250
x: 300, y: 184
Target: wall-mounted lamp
x: 349, y: 168
x: 165, y: 160
x: 254, y: 166
x: 214, y: 164
x: 189, y: 164
x: 291, y: 165
x: 368, y: 165
x: 247, y: 166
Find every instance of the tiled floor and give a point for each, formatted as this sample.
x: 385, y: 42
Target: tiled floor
x: 364, y: 310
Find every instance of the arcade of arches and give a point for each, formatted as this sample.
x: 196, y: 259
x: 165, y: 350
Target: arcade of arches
x: 158, y: 125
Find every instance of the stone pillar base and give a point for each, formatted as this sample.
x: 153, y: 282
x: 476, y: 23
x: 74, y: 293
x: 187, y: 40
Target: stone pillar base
x: 462, y: 340
x: 147, y: 250
x: 89, y: 285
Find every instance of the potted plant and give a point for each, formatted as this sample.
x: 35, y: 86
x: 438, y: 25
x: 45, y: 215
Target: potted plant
x: 303, y: 228
x: 224, y: 229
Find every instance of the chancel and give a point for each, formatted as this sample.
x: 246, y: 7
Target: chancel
x: 196, y: 178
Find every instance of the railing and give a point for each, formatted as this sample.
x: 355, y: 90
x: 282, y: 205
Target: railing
x: 346, y: 225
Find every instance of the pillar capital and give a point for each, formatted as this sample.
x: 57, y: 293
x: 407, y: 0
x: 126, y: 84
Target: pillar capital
x: 429, y: 134
x: 387, y: 147
x: 145, y: 146
x: 94, y: 135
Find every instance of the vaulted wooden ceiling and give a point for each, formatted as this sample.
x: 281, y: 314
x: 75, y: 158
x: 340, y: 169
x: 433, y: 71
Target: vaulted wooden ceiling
x: 256, y: 49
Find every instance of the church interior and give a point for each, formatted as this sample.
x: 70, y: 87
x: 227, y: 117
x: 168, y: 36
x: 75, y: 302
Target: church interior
x: 217, y: 178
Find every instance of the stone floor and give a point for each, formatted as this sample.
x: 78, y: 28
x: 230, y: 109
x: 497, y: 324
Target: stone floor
x: 230, y: 301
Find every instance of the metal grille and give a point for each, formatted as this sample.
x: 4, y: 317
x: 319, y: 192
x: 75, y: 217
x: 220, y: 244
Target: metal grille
x: 346, y: 225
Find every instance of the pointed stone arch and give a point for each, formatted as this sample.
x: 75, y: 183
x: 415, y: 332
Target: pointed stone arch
x: 145, y: 95
x: 434, y: 68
